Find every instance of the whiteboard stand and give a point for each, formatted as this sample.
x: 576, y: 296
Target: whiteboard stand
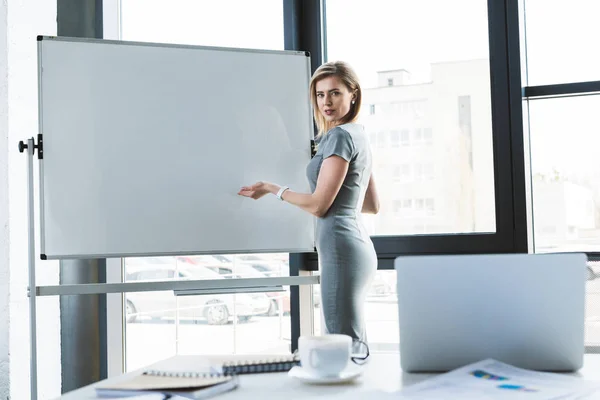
x: 154, y: 85
x: 31, y: 291
x: 192, y: 287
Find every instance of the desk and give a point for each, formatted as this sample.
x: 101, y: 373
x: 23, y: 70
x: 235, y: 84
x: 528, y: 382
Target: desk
x: 382, y: 372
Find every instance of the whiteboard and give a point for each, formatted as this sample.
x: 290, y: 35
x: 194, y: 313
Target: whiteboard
x: 145, y: 147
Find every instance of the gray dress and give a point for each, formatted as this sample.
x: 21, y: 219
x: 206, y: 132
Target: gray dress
x: 347, y: 259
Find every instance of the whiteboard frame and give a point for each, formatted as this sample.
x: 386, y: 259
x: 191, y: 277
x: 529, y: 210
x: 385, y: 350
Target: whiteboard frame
x: 43, y: 254
x: 169, y: 45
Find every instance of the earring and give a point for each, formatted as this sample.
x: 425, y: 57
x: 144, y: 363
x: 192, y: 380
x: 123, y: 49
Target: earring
x: 353, y: 101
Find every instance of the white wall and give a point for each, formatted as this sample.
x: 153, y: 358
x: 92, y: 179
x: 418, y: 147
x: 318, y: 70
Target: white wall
x: 20, y: 22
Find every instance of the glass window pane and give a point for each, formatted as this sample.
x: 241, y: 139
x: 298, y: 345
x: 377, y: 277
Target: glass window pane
x: 566, y: 187
x: 205, y: 324
x: 381, y: 311
x: 562, y: 40
x: 208, y: 23
x: 435, y: 91
x: 160, y: 324
x: 565, y: 173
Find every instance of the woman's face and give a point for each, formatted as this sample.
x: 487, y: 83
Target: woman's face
x: 333, y: 98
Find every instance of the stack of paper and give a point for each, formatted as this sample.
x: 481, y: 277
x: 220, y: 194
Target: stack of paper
x: 491, y: 379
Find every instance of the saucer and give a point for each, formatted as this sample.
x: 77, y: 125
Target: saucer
x: 350, y: 373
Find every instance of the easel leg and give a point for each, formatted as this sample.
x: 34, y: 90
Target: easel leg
x: 32, y: 287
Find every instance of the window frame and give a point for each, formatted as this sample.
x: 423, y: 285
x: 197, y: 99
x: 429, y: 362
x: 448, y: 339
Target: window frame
x: 507, y: 131
x: 305, y: 29
x: 547, y: 91
x: 114, y: 338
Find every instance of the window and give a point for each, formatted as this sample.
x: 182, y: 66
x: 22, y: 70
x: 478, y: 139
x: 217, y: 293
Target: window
x: 241, y: 322
x: 429, y: 206
x: 562, y: 133
x: 418, y: 135
x: 403, y: 207
x: 405, y: 137
x: 382, y: 139
x: 160, y: 324
x: 418, y: 172
x: 395, y: 138
x: 381, y: 313
x: 562, y: 55
x: 396, y: 173
x: 424, y: 171
x: 401, y: 173
x: 428, y: 77
x: 428, y: 136
x: 455, y: 64
x: 373, y: 139
x: 566, y: 174
x: 200, y: 23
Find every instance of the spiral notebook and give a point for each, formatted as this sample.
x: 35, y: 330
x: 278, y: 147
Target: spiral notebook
x: 223, y: 376
x: 256, y: 364
x: 178, y: 384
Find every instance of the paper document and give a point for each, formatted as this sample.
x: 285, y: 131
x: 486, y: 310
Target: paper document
x: 491, y: 379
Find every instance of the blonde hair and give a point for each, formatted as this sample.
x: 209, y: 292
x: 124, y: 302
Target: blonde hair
x: 348, y: 77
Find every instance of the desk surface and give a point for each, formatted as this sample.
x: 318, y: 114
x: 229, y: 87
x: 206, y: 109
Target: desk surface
x: 382, y: 372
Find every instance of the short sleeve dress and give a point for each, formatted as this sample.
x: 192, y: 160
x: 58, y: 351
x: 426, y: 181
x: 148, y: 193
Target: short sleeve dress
x: 347, y: 258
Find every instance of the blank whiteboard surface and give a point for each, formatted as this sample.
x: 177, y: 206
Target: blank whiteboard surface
x: 146, y: 146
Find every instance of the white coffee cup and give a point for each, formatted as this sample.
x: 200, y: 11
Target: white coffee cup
x: 326, y: 355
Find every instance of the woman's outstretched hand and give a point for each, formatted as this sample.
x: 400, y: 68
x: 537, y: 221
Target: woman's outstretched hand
x: 256, y: 191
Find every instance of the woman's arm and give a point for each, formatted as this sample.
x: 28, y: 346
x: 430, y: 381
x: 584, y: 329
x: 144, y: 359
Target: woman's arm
x: 331, y: 177
x: 371, y: 203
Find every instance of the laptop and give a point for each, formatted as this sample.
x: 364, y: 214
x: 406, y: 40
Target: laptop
x: 527, y: 310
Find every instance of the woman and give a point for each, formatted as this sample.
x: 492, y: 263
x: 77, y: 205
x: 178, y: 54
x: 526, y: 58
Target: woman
x: 342, y: 187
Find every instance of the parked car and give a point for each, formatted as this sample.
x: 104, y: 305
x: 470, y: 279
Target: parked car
x: 591, y: 275
x: 217, y: 309
x: 270, y: 266
x: 593, y: 270
x: 267, y: 270
x: 277, y: 299
x: 383, y: 284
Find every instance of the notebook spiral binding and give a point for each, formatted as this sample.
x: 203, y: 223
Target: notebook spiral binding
x: 182, y: 374
x: 261, y: 366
